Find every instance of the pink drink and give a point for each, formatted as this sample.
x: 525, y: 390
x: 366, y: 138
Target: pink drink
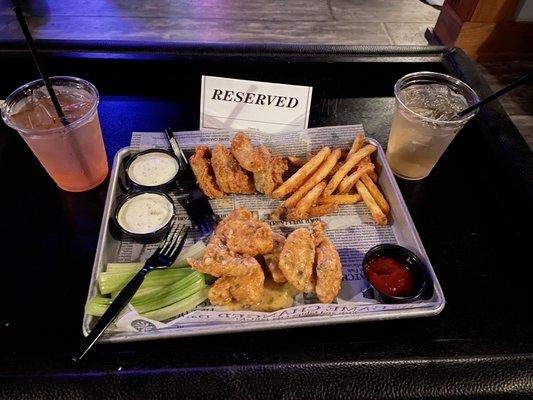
x: 73, y: 155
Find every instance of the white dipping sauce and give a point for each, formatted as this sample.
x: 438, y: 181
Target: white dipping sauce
x: 145, y: 213
x: 153, y: 169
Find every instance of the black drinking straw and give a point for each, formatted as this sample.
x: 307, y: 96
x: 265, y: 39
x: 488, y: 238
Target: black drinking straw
x: 514, y: 85
x: 39, y: 64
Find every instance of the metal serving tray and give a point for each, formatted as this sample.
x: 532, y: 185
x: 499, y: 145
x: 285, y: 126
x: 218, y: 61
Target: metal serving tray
x: 402, y: 226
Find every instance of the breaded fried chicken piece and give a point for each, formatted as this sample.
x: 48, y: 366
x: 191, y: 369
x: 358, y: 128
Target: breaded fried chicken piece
x: 297, y: 259
x: 279, y: 166
x: 328, y: 266
x: 219, y: 294
x: 267, y: 170
x: 230, y: 177
x: 270, y: 175
x: 272, y: 258
x: 238, y: 214
x: 218, y: 260
x: 245, y: 153
x: 228, y: 255
x: 203, y: 171
x: 247, y: 290
x: 248, y: 237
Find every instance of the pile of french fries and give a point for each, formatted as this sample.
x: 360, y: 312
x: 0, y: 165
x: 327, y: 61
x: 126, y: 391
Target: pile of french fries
x: 330, y: 179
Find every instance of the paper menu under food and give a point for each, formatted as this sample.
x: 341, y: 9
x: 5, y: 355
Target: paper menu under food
x: 350, y: 228
x: 251, y: 105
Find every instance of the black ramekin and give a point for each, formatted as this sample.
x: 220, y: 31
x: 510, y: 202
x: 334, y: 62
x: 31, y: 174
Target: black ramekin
x: 165, y: 186
x: 151, y: 237
x: 422, y: 281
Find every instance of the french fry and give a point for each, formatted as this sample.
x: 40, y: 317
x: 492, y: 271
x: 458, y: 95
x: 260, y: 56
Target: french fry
x: 297, y: 161
x: 334, y: 170
x: 314, y: 180
x: 372, y: 174
x: 357, y: 144
x: 301, y: 208
x: 321, y: 210
x: 298, y: 178
x: 340, y: 199
x: 277, y: 213
x: 346, y: 168
x: 377, y: 214
x: 376, y: 194
x: 348, y: 181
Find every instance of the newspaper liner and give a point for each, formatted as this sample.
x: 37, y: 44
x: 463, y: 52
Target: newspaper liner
x: 351, y: 229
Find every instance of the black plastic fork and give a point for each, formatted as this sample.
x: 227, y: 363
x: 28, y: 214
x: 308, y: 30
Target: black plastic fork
x: 193, y: 200
x: 163, y: 257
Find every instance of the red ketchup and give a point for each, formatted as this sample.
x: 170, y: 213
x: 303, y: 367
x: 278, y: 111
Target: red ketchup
x: 390, y: 276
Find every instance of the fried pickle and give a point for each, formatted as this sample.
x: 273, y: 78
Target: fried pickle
x: 245, y: 153
x: 270, y: 175
x: 328, y: 266
x: 297, y: 258
x: 272, y: 258
x: 203, y: 171
x: 230, y: 176
x: 248, y: 237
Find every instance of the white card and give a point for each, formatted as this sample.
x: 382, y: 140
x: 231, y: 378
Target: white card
x: 249, y: 105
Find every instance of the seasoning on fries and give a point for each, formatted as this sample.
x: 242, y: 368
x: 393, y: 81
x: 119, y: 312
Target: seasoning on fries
x: 340, y: 199
x: 317, y: 177
x: 376, y: 212
x: 347, y: 166
x: 376, y: 194
x: 301, y: 208
x: 296, y: 180
x: 349, y: 181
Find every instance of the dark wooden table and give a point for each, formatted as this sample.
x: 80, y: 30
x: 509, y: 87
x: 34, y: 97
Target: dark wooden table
x: 473, y: 214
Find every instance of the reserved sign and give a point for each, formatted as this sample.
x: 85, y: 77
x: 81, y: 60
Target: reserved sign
x: 249, y: 105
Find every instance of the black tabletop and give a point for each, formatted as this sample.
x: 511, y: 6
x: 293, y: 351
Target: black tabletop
x: 473, y: 214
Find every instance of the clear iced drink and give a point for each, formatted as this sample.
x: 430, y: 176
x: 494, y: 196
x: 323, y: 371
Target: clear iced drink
x: 425, y: 121
x: 72, y: 153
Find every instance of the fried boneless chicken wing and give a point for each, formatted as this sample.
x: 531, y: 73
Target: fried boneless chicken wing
x: 241, y: 277
x: 267, y: 169
x: 297, y: 259
x: 272, y: 259
x: 245, y: 153
x: 218, y: 260
x: 303, y: 262
x: 328, y: 266
x: 230, y: 176
x: 271, y: 174
x: 247, y: 289
x: 201, y: 166
x: 249, y: 237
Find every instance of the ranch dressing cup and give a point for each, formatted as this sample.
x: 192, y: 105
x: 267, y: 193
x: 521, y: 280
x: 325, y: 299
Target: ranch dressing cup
x: 152, y: 169
x: 425, y: 121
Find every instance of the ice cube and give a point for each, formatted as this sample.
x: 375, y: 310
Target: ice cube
x: 433, y: 101
x: 39, y: 115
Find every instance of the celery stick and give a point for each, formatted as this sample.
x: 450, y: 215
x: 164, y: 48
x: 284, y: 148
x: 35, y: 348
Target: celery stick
x: 152, y: 300
x: 195, y: 251
x: 141, y: 291
x: 179, y: 307
x: 123, y: 267
x: 169, y: 295
x: 97, y: 305
x: 113, y: 282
